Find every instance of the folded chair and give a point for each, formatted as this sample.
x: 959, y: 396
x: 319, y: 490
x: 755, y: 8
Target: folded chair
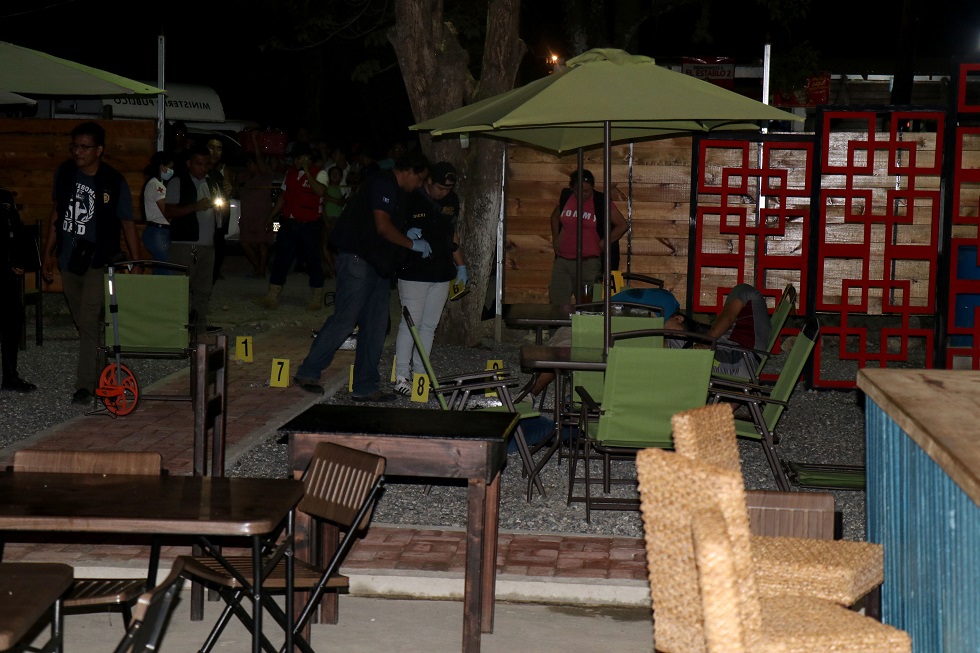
x: 643, y: 388
x: 684, y: 502
x: 777, y: 321
x: 95, y: 592
x: 341, y: 487
x: 455, y: 392
x: 835, y: 570
x: 151, y: 614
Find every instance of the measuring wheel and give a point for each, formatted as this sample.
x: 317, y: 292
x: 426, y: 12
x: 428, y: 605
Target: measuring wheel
x: 118, y: 389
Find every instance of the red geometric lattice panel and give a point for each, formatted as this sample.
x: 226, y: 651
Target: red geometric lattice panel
x: 752, y: 218
x: 963, y: 323
x: 877, y: 245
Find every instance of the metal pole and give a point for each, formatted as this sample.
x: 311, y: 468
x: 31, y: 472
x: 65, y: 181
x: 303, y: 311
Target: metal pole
x: 499, y: 281
x: 161, y: 98
x: 606, y: 259
x: 578, y: 230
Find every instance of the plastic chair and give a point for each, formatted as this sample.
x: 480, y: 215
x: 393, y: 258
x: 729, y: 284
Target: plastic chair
x: 643, y: 388
x: 835, y: 570
x: 341, y: 487
x: 95, y: 592
x: 151, y: 614
x: 706, y: 598
x: 455, y: 392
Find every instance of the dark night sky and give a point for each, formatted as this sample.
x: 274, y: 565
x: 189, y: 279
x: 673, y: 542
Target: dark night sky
x: 216, y: 43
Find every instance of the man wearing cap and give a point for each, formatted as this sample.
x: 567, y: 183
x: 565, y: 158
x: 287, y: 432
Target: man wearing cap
x: 564, y: 237
x: 370, y: 240
x: 299, y: 206
x: 423, y: 283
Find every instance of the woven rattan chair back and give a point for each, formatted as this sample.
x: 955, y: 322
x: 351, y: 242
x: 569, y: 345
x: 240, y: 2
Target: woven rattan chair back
x: 707, y: 433
x: 672, y: 488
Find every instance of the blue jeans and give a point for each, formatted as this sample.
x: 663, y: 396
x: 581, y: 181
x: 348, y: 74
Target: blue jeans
x: 361, y: 301
x: 157, y: 242
x: 298, y: 238
x: 424, y: 301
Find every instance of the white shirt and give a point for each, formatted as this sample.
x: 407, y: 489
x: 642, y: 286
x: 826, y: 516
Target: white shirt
x: 153, y: 192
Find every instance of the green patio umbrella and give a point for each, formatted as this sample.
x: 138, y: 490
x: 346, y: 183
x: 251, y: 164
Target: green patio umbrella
x: 31, y: 72
x: 604, y: 96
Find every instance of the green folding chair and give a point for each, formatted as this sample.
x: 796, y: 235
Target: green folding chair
x: 455, y: 393
x: 643, y: 388
x: 766, y: 405
x: 776, y: 323
x: 146, y: 316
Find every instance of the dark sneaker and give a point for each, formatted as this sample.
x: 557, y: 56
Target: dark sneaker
x: 376, y: 396
x: 81, y: 396
x: 18, y: 385
x: 310, y: 386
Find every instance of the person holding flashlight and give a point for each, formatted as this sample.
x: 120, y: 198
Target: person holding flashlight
x: 191, y: 208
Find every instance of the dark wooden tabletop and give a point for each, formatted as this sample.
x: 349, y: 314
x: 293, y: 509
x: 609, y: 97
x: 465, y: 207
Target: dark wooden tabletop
x: 403, y: 422
x: 27, y: 592
x: 118, y: 503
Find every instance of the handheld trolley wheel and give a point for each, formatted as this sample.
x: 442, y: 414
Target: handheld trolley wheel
x: 118, y: 389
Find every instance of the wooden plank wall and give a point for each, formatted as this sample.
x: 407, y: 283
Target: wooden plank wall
x: 661, y: 209
x: 661, y: 206
x: 32, y: 149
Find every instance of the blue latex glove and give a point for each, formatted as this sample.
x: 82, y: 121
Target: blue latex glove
x: 461, y: 277
x: 414, y: 233
x: 422, y: 247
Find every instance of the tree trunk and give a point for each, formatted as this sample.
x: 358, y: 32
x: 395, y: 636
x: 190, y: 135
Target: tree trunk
x: 435, y: 68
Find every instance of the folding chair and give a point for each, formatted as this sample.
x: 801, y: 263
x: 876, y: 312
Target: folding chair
x: 455, y: 392
x: 31, y: 595
x: 32, y: 294
x: 96, y: 592
x: 777, y: 321
x: 151, y: 613
x: 643, y: 388
x: 766, y: 404
x: 341, y: 485
x: 834, y: 570
x: 692, y: 589
x: 146, y: 316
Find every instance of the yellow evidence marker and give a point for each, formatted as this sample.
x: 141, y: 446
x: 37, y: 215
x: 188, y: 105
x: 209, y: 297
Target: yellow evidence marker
x: 420, y: 388
x: 280, y: 373
x: 243, y: 348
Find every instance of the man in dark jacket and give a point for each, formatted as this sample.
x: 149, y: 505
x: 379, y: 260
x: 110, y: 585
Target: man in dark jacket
x: 11, y: 270
x: 92, y: 204
x: 368, y: 237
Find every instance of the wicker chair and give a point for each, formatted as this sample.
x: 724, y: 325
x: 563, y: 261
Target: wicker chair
x: 679, y: 495
x: 841, y: 571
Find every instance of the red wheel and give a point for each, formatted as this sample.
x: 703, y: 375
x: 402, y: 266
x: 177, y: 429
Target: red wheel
x: 118, y: 389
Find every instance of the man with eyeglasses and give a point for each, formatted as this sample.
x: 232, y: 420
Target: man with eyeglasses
x: 369, y: 239
x: 423, y: 283
x: 92, y: 203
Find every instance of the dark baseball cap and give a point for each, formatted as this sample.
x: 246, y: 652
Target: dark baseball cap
x: 587, y: 177
x: 444, y: 174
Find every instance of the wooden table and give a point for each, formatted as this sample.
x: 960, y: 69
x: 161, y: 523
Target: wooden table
x: 153, y: 505
x: 923, y: 501
x: 538, y: 317
x: 427, y: 444
x: 28, y: 590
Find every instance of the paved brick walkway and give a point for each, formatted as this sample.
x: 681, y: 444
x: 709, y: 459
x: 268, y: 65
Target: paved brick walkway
x: 255, y: 411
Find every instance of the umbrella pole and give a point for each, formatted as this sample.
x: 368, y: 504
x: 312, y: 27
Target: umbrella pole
x: 606, y: 288
x: 578, y: 232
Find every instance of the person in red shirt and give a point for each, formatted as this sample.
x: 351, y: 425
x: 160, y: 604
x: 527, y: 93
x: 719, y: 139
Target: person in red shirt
x: 564, y: 237
x: 299, y: 207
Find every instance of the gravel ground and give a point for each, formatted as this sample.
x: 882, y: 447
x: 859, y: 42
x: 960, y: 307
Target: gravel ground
x: 818, y: 426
